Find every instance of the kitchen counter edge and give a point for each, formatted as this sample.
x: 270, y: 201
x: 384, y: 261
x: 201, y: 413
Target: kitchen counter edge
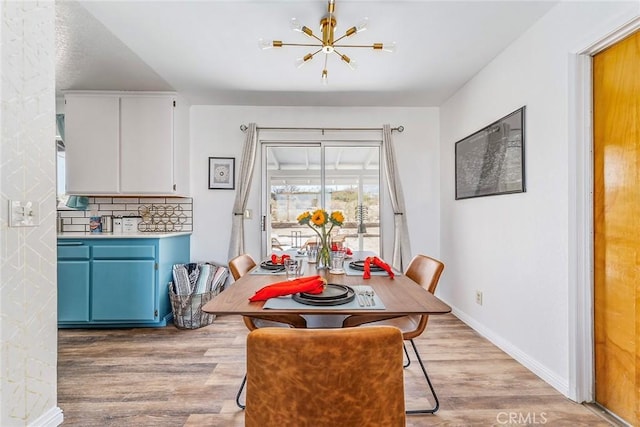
x: 150, y: 235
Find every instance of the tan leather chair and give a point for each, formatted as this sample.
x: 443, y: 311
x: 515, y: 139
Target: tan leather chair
x: 426, y: 272
x: 325, y: 377
x: 239, y: 266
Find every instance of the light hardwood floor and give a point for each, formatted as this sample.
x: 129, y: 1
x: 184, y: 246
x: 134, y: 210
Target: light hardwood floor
x: 171, y: 377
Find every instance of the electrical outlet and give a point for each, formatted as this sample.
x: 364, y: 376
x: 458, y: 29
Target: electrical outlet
x: 479, y: 297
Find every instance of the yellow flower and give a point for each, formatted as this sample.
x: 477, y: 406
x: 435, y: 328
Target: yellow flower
x: 337, y: 218
x: 304, y: 218
x: 319, y: 218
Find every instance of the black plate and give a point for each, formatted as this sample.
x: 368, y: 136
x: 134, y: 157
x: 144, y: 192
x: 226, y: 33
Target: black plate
x: 303, y: 298
x: 359, y: 265
x: 269, y: 265
x: 330, y: 292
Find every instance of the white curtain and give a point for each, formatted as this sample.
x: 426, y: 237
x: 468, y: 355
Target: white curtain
x: 401, y: 245
x: 242, y: 194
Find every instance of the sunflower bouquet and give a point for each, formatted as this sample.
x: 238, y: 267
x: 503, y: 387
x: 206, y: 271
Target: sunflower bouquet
x: 318, y: 221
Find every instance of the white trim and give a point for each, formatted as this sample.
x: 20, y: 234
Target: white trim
x: 555, y: 380
x: 52, y: 418
x: 580, y: 269
x: 580, y: 219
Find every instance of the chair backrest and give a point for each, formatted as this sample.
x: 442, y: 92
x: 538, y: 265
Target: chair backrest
x: 241, y: 265
x: 325, y: 377
x: 426, y: 272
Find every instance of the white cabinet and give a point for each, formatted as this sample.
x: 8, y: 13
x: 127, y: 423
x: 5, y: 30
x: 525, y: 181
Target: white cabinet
x: 91, y: 144
x: 146, y: 142
x: 134, y: 142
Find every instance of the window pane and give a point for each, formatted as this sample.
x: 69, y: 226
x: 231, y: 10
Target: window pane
x: 293, y: 175
x: 352, y: 185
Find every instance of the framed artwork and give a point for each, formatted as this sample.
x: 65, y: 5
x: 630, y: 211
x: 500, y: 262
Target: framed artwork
x: 222, y: 173
x: 491, y: 161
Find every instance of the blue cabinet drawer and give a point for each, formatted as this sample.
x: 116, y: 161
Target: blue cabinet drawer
x: 73, y: 252
x: 128, y: 252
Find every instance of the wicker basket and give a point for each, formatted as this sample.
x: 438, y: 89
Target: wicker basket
x: 187, y: 309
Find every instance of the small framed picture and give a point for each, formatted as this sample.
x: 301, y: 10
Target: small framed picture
x: 222, y: 173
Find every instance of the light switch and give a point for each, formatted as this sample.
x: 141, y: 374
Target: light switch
x: 23, y: 213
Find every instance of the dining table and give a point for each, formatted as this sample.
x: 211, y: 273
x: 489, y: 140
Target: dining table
x: 387, y: 297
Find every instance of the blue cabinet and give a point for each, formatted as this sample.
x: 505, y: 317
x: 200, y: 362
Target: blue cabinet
x: 73, y: 283
x: 123, y: 290
x: 113, y: 282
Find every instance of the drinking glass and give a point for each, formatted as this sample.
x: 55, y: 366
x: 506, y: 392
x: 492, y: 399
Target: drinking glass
x: 291, y: 268
x: 337, y: 262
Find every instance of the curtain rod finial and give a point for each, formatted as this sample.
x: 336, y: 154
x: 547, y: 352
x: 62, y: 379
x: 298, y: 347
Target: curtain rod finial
x: 400, y: 129
x: 243, y: 128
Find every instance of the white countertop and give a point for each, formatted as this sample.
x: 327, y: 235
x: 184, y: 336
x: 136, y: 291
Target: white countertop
x: 150, y: 235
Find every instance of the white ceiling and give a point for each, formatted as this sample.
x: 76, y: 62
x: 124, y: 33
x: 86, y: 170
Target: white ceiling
x: 208, y: 50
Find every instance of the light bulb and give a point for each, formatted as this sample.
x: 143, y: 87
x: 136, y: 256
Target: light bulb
x: 301, y: 61
x: 362, y: 25
x: 389, y: 47
x: 295, y: 25
x: 325, y: 79
x: 265, y: 44
x: 350, y: 62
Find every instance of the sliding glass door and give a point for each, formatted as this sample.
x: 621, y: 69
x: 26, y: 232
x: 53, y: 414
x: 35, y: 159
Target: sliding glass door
x: 299, y: 177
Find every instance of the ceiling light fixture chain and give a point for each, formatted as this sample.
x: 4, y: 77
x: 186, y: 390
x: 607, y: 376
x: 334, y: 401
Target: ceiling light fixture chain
x: 328, y: 43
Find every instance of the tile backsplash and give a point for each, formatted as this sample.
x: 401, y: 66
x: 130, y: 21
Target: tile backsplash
x: 165, y: 214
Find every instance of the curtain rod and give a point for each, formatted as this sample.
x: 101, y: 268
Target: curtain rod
x: 244, y: 128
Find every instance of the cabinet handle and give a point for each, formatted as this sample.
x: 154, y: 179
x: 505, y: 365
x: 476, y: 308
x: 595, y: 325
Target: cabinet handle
x: 70, y: 243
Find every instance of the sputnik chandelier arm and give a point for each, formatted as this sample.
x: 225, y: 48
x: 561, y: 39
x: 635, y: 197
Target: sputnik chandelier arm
x: 328, y: 43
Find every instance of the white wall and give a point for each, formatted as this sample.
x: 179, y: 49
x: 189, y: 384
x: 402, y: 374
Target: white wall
x: 514, y: 248
x: 28, y: 297
x: 215, y: 132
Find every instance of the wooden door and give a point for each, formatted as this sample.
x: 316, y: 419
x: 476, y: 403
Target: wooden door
x: 616, y: 101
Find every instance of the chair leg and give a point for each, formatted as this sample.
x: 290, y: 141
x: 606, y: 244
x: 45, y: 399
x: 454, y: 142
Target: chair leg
x: 244, y: 381
x: 433, y: 392
x: 406, y: 353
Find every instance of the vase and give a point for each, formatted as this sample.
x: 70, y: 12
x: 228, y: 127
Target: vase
x: 323, y: 260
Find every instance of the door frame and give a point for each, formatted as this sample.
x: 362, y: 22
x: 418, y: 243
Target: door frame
x: 580, y: 218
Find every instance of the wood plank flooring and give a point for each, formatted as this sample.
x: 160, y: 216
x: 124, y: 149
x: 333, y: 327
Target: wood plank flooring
x: 171, y: 377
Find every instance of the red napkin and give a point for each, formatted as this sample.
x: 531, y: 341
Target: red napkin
x: 275, y: 259
x: 377, y: 261
x: 310, y: 285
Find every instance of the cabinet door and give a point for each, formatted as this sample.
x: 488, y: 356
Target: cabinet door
x: 123, y: 290
x: 73, y: 291
x: 92, y: 144
x: 146, y: 138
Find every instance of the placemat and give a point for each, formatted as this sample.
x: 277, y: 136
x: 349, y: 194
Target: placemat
x: 287, y: 303
x: 353, y: 272
x: 262, y: 271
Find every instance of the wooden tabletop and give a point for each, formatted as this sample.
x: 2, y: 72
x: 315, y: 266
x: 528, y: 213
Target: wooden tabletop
x: 400, y: 296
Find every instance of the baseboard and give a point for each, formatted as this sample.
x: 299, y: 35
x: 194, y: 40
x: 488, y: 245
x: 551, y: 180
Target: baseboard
x: 557, y: 382
x: 52, y: 418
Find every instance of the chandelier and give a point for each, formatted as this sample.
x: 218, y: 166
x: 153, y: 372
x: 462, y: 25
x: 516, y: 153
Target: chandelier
x: 328, y: 44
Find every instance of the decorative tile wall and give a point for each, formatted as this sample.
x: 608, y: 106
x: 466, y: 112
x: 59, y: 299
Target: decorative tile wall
x: 28, y: 294
x: 165, y: 214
